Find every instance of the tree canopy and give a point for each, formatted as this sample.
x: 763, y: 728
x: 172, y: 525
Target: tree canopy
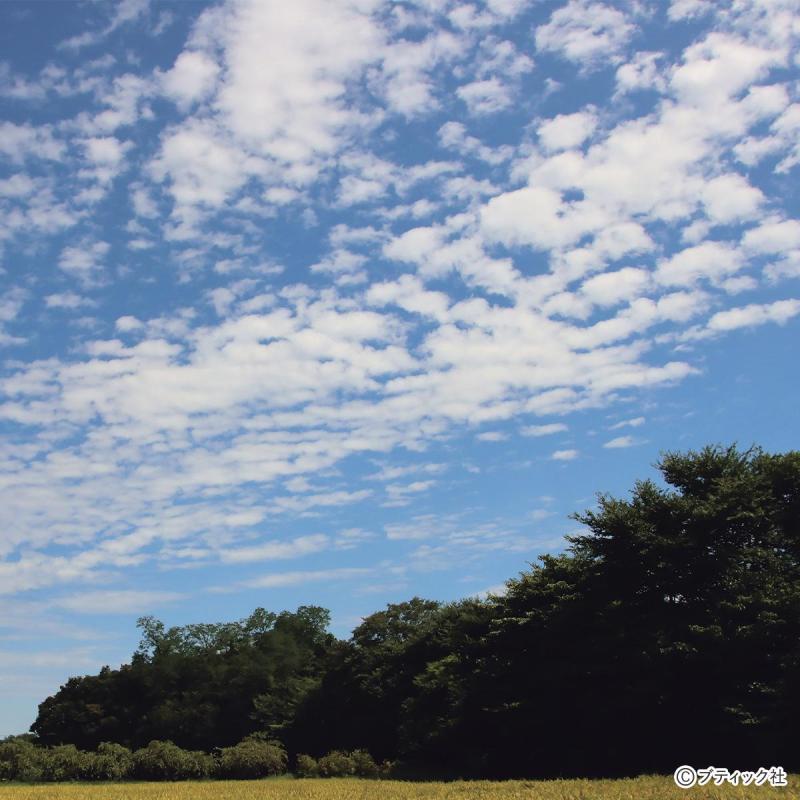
x: 668, y: 632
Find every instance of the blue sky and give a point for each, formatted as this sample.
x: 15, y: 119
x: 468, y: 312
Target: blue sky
x: 347, y: 301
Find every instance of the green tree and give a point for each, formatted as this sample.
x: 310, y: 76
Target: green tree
x: 201, y: 686
x: 668, y: 632
x: 677, y: 613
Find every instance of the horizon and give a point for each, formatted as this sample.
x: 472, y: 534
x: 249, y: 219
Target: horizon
x: 348, y: 302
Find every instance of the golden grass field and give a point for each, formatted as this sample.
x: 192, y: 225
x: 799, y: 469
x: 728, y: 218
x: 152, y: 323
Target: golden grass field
x: 645, y: 788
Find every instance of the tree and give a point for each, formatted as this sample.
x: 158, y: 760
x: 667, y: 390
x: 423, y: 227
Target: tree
x: 201, y: 686
x: 359, y: 702
x: 669, y: 631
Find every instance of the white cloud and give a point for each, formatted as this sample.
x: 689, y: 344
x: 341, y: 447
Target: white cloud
x: 544, y: 430
x: 422, y: 315
x: 410, y: 294
x: 286, y: 68
x: 585, y: 32
x: 454, y: 135
x: 688, y: 9
x: 485, y: 97
x: 117, y: 601
x: 622, y: 442
x: 281, y: 195
x: 105, y: 151
x: 124, y: 105
x: 642, y: 72
x: 781, y: 311
x: 11, y: 303
x: 125, y: 11
x: 399, y: 494
x: 720, y: 67
x: 191, y: 79
x: 143, y: 203
x: 708, y: 261
x: 202, y: 167
x: 406, y: 67
x: 497, y: 590
x: 492, y: 436
x: 18, y: 185
x: 67, y: 300
x: 84, y: 261
x: 610, y: 288
x: 127, y: 324
x: 279, y: 109
x: 773, y: 237
x: 21, y: 142
x: 303, y: 545
x: 567, y: 130
x: 506, y: 8
x: 301, y: 578
x: 538, y: 216
x: 420, y: 527
x: 635, y: 422
x: 564, y: 455
x: 730, y: 198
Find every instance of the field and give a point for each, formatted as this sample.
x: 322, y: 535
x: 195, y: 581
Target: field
x: 645, y: 788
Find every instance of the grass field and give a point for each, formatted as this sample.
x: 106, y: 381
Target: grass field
x: 647, y: 788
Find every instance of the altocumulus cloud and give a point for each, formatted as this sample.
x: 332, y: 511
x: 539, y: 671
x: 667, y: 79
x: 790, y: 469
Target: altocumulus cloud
x: 283, y: 243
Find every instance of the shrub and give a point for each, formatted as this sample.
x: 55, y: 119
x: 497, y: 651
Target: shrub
x: 20, y: 760
x: 65, y: 763
x: 386, y: 769
x: 111, y: 762
x: 307, y: 767
x: 340, y: 764
x: 204, y: 764
x: 337, y: 764
x: 365, y: 766
x: 252, y: 758
x: 165, y: 761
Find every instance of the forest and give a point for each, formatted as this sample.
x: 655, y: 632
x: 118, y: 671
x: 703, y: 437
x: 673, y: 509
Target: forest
x: 666, y: 633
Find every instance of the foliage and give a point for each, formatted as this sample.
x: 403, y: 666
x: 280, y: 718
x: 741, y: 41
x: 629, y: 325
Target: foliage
x: 111, y: 762
x: 336, y: 764
x: 364, y: 764
x: 20, y: 760
x: 165, y: 761
x: 252, y: 758
x: 676, y: 610
x: 65, y: 763
x: 200, y: 686
x: 341, y: 764
x: 306, y: 766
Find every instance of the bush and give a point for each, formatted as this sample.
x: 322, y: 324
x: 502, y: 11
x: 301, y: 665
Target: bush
x: 337, y: 764
x: 365, y: 766
x: 204, y: 764
x: 20, y: 760
x: 111, y: 762
x: 340, y: 764
x: 306, y: 767
x: 252, y: 758
x: 165, y: 761
x: 65, y: 763
x: 386, y: 769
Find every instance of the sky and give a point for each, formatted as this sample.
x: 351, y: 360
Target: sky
x: 340, y: 302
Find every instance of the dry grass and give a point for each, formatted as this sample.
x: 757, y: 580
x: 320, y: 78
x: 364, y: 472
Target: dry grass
x: 645, y: 788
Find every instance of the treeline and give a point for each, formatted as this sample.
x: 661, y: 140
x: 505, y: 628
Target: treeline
x: 24, y: 761
x: 668, y: 633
